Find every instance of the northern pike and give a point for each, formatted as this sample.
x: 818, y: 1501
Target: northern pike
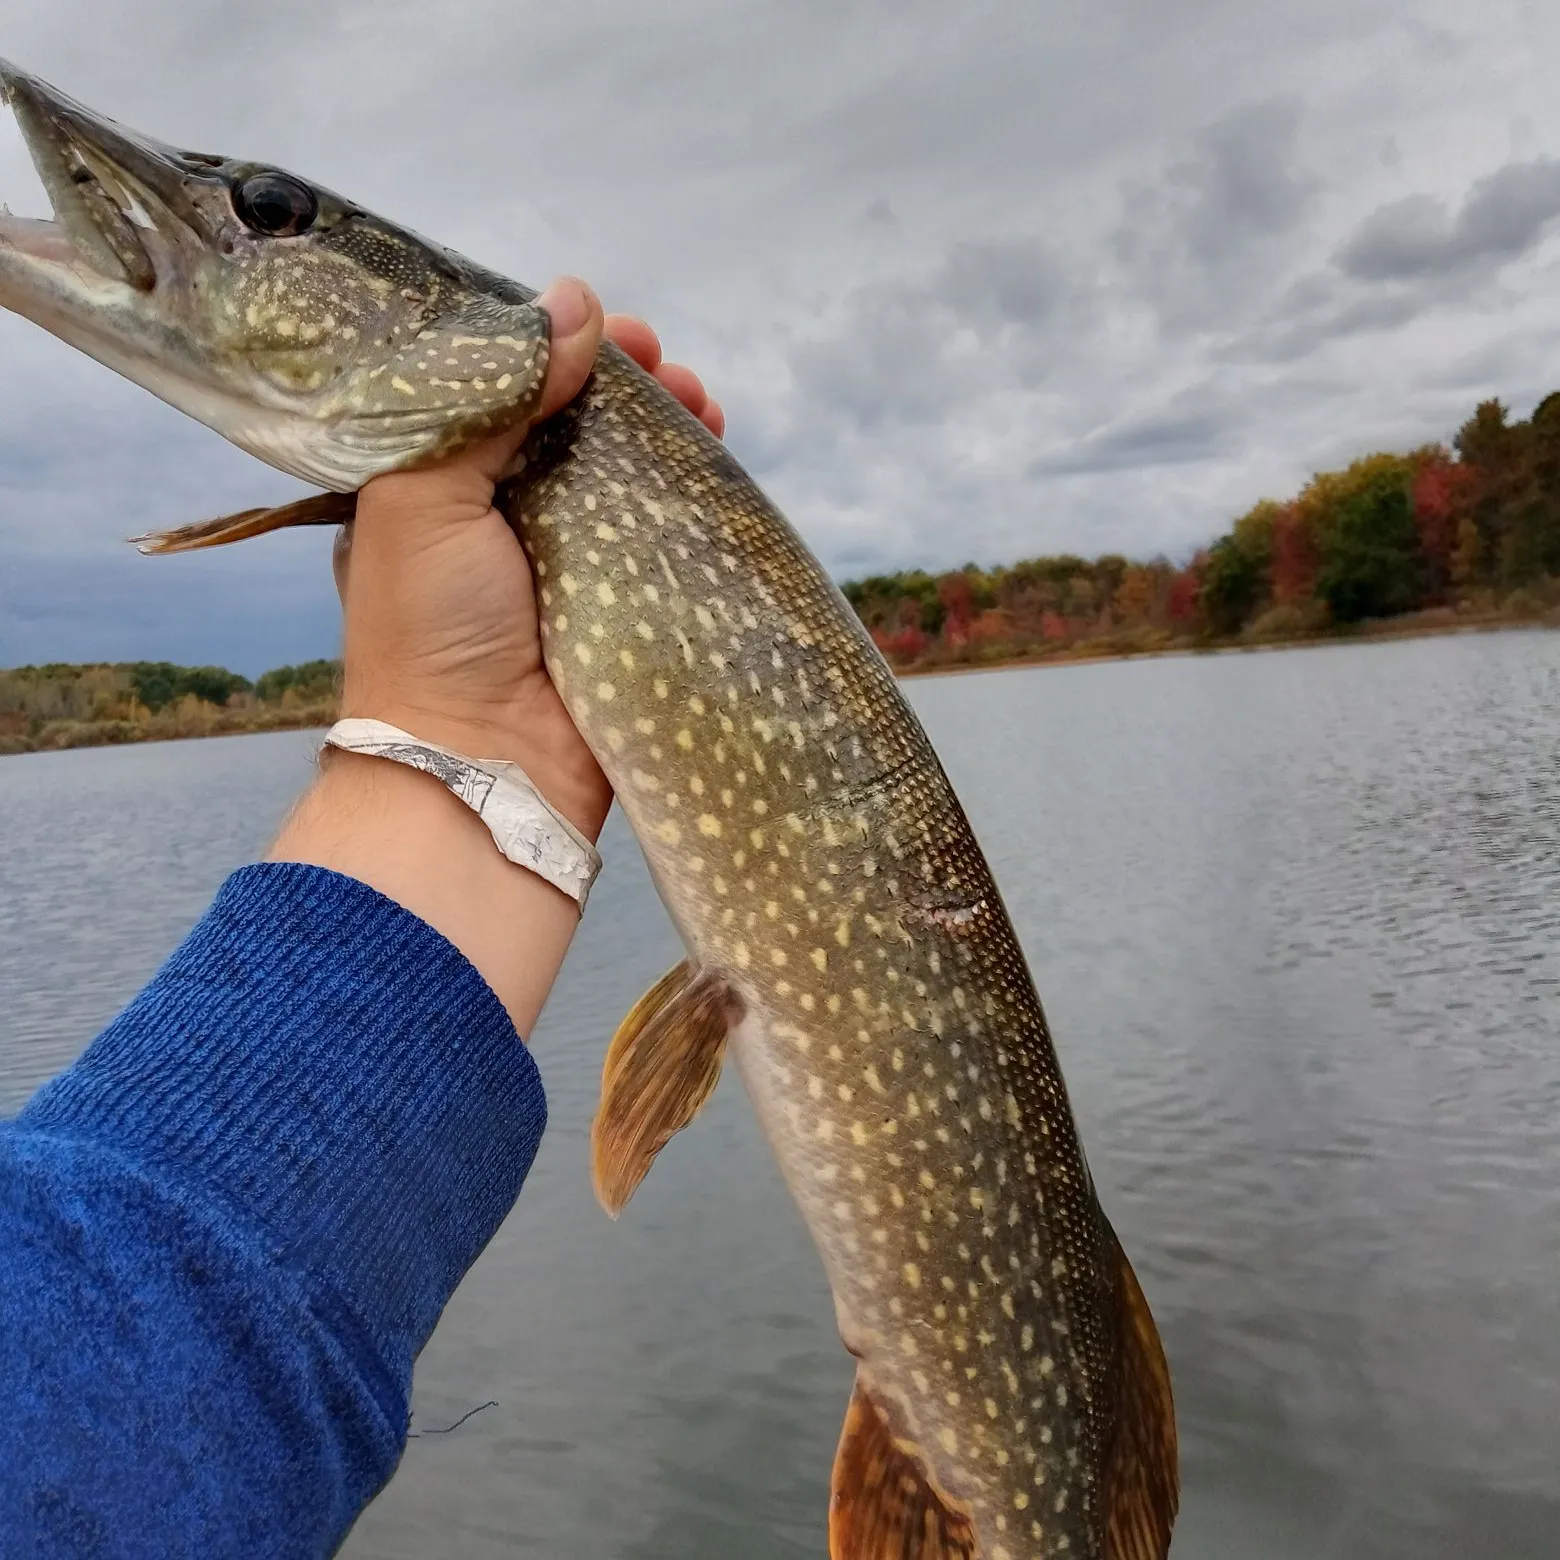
x: 845, y: 938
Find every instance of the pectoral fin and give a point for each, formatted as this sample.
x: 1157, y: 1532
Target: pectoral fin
x: 1142, y: 1479
x: 662, y: 1065
x: 319, y: 509
x: 882, y: 1506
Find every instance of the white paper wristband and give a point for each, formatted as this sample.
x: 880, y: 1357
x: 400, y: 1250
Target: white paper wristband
x: 525, y: 828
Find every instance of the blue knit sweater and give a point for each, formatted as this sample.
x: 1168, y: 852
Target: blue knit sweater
x: 226, y: 1232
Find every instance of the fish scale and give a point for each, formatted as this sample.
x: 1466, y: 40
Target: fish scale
x: 846, y: 941
x: 807, y: 841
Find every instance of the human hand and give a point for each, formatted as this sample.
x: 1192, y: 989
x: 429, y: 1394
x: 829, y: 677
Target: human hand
x: 441, y: 632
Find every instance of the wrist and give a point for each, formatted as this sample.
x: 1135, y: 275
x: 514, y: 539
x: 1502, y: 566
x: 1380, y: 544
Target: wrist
x: 556, y: 761
x: 404, y: 834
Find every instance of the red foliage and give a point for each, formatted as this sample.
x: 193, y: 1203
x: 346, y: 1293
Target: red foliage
x: 1294, y: 557
x: 902, y: 644
x: 953, y: 590
x: 1185, y: 586
x: 1442, y: 494
x: 991, y: 627
x: 1054, y: 626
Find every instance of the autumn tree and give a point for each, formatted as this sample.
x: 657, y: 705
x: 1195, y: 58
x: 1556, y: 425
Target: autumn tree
x: 1370, y: 565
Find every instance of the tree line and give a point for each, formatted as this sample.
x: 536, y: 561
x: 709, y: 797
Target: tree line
x: 1437, y: 537
x: 1469, y: 532
x: 61, y: 706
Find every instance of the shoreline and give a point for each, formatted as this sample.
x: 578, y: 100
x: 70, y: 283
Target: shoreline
x: 1084, y: 656
x: 223, y: 723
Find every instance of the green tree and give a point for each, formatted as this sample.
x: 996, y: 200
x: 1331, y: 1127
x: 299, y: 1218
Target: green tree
x: 310, y: 681
x: 158, y: 684
x: 1370, y: 565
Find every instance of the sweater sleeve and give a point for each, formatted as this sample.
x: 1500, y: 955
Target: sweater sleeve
x: 226, y: 1232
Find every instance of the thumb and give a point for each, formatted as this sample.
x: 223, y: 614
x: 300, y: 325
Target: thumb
x: 577, y: 325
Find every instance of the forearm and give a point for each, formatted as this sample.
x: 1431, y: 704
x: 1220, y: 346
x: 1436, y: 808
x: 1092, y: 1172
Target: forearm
x: 404, y: 834
x: 228, y: 1229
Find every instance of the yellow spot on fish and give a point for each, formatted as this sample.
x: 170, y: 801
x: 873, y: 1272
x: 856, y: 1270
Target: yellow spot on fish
x: 605, y: 594
x: 395, y: 380
x: 626, y: 657
x: 685, y: 740
x: 668, y: 832
x: 912, y: 1275
x: 950, y: 1442
x: 777, y: 956
x: 820, y: 959
x: 606, y: 692
x: 583, y: 653
x: 709, y: 825
x: 661, y: 690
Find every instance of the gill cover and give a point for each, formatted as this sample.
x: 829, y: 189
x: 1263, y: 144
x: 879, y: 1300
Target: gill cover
x: 326, y: 341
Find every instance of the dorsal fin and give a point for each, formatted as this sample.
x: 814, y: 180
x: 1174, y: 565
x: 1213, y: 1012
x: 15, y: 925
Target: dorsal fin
x: 1142, y: 1480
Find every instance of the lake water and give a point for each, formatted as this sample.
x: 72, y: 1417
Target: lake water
x: 1296, y: 919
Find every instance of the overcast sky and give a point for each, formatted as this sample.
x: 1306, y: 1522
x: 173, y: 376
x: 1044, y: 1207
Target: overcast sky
x: 974, y: 281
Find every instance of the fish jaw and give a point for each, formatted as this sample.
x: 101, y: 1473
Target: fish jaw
x: 335, y: 353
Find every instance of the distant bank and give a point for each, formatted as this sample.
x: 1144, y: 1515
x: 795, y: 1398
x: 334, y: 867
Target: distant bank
x: 49, y: 708
x: 1443, y: 539
x: 53, y: 708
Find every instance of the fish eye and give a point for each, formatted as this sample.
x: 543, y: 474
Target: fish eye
x: 275, y: 204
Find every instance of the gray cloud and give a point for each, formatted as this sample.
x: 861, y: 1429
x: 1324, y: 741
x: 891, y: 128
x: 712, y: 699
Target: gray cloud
x: 1209, y: 226
x: 1140, y: 444
x: 1504, y: 216
x: 985, y: 281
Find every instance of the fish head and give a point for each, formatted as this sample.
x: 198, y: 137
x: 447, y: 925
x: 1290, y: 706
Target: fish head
x: 321, y: 338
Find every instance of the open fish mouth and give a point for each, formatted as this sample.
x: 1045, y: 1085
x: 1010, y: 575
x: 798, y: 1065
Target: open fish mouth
x: 301, y: 327
x: 117, y: 197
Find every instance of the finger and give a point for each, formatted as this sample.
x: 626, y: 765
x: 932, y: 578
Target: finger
x: 714, y: 419
x: 636, y: 339
x: 341, y: 559
x: 576, y: 336
x: 684, y: 384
